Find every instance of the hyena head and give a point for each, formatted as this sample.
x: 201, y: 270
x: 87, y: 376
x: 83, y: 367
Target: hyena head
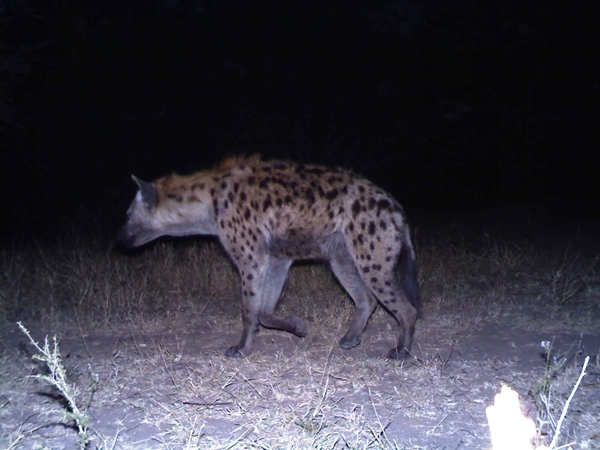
x: 169, y: 206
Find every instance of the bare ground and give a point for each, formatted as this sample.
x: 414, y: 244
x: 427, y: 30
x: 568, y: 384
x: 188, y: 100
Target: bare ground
x: 146, y: 353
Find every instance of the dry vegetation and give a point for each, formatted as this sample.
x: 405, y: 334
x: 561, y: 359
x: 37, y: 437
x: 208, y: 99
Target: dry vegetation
x: 142, y: 337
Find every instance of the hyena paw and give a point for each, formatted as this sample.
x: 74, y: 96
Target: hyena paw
x: 233, y: 352
x: 349, y: 342
x: 398, y: 355
x: 297, y: 326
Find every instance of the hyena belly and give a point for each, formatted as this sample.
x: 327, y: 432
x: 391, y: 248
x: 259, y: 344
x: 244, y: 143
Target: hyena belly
x: 268, y: 214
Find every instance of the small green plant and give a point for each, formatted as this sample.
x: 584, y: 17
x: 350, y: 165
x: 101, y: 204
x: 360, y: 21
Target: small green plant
x: 57, y: 377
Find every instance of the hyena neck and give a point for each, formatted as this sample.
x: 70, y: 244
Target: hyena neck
x: 186, y: 207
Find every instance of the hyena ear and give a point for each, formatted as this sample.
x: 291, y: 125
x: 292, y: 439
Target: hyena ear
x: 149, y: 195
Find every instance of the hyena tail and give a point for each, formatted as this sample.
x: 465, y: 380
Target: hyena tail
x: 409, y: 274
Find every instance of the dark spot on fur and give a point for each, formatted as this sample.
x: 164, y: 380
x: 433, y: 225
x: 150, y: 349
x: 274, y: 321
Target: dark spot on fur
x: 383, y: 205
x: 236, y: 187
x: 177, y: 198
x: 243, y: 196
x: 223, y: 185
x: 310, y: 196
x: 371, y: 228
x: 251, y: 181
x: 372, y: 246
x: 366, y: 269
x: 376, y: 266
x: 332, y: 194
x: 372, y: 203
x: 247, y: 214
x: 360, y: 239
x: 355, y: 208
x: 267, y: 203
x: 351, y: 226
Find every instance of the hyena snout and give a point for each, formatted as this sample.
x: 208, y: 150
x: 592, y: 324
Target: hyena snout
x: 125, y: 238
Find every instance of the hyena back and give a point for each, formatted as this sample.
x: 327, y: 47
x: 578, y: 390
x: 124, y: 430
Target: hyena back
x: 268, y: 214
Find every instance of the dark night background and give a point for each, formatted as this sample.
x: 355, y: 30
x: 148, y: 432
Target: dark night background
x: 458, y: 108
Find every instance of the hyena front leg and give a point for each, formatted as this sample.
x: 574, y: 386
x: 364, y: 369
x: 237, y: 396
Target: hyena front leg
x: 261, y: 289
x: 249, y: 324
x: 347, y: 274
x: 274, y: 280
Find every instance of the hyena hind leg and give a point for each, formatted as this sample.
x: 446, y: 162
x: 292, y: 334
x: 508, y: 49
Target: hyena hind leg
x: 406, y: 316
x: 392, y: 297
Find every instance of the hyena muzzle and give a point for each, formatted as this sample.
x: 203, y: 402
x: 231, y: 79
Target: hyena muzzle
x: 267, y: 214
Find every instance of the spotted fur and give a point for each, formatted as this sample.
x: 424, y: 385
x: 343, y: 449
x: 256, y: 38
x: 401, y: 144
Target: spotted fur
x: 268, y: 214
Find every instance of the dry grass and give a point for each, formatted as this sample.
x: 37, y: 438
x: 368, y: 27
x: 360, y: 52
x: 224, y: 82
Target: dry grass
x: 152, y: 326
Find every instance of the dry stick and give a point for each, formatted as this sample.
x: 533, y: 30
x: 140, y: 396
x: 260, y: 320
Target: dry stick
x: 568, y: 402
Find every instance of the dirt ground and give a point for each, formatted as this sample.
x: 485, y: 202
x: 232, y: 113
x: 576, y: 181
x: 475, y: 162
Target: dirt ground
x: 172, y: 387
x: 162, y: 381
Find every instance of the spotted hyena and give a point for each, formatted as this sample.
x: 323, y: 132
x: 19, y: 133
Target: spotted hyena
x: 268, y: 214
